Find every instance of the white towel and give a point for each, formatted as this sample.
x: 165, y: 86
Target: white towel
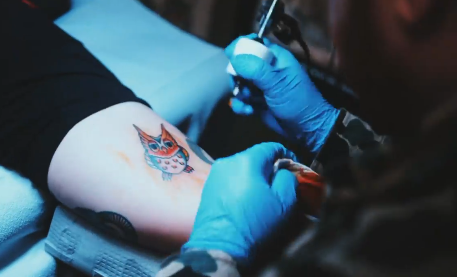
x: 25, y: 215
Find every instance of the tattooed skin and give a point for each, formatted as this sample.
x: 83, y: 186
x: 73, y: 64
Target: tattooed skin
x: 164, y: 153
x: 110, y: 222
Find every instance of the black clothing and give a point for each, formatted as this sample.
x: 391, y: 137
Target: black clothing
x: 48, y: 83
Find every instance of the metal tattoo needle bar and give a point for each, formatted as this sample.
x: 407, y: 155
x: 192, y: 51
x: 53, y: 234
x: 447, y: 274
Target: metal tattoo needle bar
x: 263, y: 26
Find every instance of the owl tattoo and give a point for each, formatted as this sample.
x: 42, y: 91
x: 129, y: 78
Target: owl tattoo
x: 164, y: 153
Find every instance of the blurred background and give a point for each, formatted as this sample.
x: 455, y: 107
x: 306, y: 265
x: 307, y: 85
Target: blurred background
x: 220, y: 21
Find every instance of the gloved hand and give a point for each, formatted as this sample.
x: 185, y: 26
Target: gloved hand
x: 241, y: 203
x: 293, y: 100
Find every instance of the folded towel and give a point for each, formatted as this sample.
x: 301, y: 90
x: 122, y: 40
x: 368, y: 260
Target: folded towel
x: 25, y: 214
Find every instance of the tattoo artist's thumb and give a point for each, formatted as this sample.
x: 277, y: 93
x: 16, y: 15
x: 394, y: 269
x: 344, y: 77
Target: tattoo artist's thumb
x: 284, y: 185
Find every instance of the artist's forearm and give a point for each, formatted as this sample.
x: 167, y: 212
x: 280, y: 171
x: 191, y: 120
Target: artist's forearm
x: 349, y: 138
x: 198, y: 263
x: 122, y: 170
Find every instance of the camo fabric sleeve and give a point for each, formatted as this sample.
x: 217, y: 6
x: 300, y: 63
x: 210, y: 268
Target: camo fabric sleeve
x: 198, y: 263
x: 349, y: 138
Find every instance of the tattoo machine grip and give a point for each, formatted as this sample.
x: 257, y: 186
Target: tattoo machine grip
x: 311, y: 186
x: 250, y: 47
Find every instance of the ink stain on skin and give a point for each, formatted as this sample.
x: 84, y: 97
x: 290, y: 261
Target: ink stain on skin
x: 125, y: 158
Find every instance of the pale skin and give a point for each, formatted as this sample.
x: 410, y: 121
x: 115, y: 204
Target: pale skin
x: 100, y: 166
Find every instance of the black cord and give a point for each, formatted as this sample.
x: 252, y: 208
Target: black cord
x: 305, y: 48
x: 332, y: 58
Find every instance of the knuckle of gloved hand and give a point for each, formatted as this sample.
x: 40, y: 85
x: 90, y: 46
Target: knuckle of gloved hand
x: 276, y: 87
x: 300, y: 73
x: 270, y: 149
x: 290, y: 155
x: 287, y: 91
x: 290, y: 88
x: 265, y: 75
x: 219, y: 163
x: 278, y: 150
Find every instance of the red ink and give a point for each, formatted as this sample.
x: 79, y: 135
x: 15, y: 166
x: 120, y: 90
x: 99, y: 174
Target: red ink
x: 166, y: 152
x: 30, y: 4
x: 152, y: 144
x: 189, y: 169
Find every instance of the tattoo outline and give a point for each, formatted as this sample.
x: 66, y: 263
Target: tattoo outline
x: 163, y: 153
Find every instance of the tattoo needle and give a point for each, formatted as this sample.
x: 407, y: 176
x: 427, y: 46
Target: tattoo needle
x: 262, y: 29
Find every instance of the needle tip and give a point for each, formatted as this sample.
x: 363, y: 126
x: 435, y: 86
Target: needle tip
x: 236, y: 90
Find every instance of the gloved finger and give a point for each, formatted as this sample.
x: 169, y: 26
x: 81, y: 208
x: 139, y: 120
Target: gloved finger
x: 244, y: 90
x: 267, y: 42
x: 284, y: 186
x: 254, y: 69
x: 231, y: 48
x: 241, y: 108
x: 261, y: 157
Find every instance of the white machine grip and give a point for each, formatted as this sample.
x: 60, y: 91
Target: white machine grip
x: 249, y: 46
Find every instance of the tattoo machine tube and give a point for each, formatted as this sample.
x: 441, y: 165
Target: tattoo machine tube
x: 311, y: 186
x: 249, y: 47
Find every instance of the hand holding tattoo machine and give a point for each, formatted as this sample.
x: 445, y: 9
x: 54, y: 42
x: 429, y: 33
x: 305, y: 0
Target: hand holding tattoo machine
x: 249, y: 96
x: 273, y: 19
x: 311, y: 186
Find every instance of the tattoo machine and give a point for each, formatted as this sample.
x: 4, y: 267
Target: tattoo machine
x: 272, y: 19
x: 311, y: 186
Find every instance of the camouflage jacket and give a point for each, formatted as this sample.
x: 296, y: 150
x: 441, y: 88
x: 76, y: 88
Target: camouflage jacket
x: 390, y: 209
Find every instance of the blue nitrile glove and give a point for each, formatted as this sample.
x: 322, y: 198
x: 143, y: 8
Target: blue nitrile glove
x: 293, y: 100
x: 241, y: 203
